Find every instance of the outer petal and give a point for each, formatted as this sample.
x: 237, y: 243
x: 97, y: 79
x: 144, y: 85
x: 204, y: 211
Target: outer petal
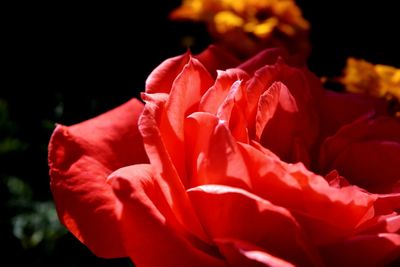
x: 153, y: 235
x: 80, y: 159
x: 227, y: 212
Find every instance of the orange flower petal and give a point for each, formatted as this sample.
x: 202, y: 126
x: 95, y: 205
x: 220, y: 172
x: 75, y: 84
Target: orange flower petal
x: 378, y: 80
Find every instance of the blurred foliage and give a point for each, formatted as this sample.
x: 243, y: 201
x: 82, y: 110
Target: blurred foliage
x: 29, y: 227
x: 34, y: 222
x: 7, y: 129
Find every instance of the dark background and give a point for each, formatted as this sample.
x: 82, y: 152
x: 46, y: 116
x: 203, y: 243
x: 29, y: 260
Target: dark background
x: 67, y: 62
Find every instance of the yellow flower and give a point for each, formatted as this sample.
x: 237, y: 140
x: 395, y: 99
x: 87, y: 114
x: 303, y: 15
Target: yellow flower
x: 248, y: 26
x: 377, y: 80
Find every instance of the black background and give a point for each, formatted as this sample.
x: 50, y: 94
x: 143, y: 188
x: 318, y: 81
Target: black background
x: 90, y: 57
x: 105, y: 51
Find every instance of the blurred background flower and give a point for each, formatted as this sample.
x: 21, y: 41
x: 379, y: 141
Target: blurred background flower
x: 247, y: 27
x: 360, y: 76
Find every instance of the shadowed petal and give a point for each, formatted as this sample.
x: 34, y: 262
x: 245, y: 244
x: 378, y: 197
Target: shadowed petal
x: 354, y: 151
x: 381, y: 250
x: 268, y: 56
x: 387, y: 203
x: 276, y: 94
x: 215, y: 58
x: 339, y: 109
x: 291, y: 135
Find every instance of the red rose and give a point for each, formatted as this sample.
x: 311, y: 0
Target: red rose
x: 230, y: 173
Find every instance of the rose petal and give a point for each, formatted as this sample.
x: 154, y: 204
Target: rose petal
x: 228, y: 212
x: 301, y: 129
x: 335, y: 180
x: 381, y: 224
x: 239, y: 253
x: 153, y: 233
x: 80, y: 159
x: 184, y: 97
x: 160, y: 159
x: 364, y: 250
x: 161, y: 78
x: 368, y: 127
x: 302, y: 84
x: 268, y: 104
x: 324, y: 212
x: 387, y: 203
x: 214, y: 97
x: 364, y: 165
x: 215, y: 58
x: 234, y: 111
x: 339, y: 109
x: 268, y: 56
x: 215, y: 157
x: 350, y: 152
